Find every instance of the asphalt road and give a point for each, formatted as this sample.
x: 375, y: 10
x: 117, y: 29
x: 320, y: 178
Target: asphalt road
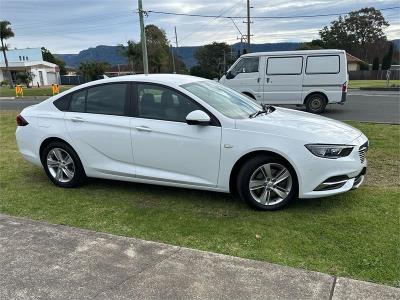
x: 367, y: 106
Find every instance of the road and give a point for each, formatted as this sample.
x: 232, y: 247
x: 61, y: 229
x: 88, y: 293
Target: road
x: 367, y: 106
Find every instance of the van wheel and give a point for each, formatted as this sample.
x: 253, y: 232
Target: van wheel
x: 316, y: 103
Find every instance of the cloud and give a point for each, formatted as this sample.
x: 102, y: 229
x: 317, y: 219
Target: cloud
x: 69, y: 26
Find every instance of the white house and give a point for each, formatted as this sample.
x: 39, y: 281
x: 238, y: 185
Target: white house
x: 30, y: 60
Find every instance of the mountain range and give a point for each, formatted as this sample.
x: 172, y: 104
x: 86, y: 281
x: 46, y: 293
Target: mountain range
x: 112, y: 55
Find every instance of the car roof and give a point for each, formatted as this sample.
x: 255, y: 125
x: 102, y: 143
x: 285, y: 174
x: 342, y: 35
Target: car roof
x: 297, y: 52
x: 167, y: 79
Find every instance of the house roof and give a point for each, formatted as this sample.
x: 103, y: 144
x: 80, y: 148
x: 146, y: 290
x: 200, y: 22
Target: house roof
x: 22, y: 64
x: 353, y: 59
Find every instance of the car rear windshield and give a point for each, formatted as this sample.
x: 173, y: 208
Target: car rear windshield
x: 228, y: 102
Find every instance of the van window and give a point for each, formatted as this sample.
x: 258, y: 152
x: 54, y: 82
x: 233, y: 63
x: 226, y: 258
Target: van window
x: 246, y: 65
x: 327, y: 64
x: 284, y: 65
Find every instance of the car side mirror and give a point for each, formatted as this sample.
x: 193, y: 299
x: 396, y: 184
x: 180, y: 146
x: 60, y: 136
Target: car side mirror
x: 229, y: 75
x: 198, y: 117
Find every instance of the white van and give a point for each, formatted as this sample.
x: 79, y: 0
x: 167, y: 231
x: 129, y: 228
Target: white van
x: 312, y: 78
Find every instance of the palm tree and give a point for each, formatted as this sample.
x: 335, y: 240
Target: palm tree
x: 6, y: 33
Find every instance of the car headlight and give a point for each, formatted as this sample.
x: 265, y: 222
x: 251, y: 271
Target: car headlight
x: 330, y: 151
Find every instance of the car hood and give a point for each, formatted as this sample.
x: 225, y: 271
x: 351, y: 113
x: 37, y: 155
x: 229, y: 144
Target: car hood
x: 301, y: 126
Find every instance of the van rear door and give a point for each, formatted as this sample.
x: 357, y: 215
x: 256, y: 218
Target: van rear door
x: 283, y: 83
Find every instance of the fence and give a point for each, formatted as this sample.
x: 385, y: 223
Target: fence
x: 374, y: 75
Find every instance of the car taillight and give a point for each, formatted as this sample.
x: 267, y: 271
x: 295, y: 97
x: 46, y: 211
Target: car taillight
x: 21, y: 121
x: 344, y: 87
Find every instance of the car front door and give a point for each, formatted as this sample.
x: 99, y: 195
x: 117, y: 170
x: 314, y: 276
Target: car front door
x: 99, y: 127
x: 165, y: 147
x: 283, y: 82
x: 246, y: 78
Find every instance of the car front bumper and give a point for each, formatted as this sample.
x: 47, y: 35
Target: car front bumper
x: 326, y: 177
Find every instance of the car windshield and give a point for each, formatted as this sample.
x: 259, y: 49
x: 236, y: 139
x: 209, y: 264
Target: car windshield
x: 228, y: 102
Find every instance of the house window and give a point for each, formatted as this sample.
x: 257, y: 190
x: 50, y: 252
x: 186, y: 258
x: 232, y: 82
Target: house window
x: 27, y: 58
x: 20, y: 58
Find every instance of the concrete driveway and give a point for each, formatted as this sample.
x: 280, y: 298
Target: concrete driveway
x: 44, y: 261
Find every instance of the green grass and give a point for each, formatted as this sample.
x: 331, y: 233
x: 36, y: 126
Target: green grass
x: 355, y: 234
x: 355, y: 84
x: 34, y: 91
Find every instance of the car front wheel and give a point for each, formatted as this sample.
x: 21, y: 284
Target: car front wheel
x: 62, y: 165
x: 267, y: 183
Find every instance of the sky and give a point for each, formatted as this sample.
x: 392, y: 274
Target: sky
x: 69, y: 26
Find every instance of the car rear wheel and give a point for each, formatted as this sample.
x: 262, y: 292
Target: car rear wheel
x: 316, y: 104
x: 267, y: 183
x: 62, y: 165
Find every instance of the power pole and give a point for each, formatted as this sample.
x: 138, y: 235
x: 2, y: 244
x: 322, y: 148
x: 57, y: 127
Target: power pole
x: 177, y: 52
x: 248, y: 26
x: 173, y: 59
x: 143, y: 39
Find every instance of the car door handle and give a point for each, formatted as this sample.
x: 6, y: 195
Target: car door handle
x: 143, y: 128
x: 77, y: 119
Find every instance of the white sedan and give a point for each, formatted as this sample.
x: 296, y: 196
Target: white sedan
x: 189, y: 132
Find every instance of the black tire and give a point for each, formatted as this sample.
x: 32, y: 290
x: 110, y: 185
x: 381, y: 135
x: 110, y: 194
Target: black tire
x: 316, y: 103
x: 249, y: 169
x: 79, y: 175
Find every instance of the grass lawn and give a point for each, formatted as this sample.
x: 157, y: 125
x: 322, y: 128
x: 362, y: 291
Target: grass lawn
x: 355, y: 84
x: 355, y: 234
x: 34, y: 91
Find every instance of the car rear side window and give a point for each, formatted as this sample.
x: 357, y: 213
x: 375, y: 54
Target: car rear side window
x: 77, y: 103
x: 62, y: 103
x: 106, y: 99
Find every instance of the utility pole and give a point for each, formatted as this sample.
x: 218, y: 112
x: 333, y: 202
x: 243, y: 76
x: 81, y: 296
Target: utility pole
x: 248, y: 26
x: 173, y: 59
x: 177, y: 52
x: 143, y: 39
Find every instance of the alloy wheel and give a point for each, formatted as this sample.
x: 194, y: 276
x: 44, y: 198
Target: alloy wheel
x: 61, y: 165
x: 270, y: 184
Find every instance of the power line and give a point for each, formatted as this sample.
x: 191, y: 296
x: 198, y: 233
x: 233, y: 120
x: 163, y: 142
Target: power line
x: 208, y: 24
x: 258, y: 17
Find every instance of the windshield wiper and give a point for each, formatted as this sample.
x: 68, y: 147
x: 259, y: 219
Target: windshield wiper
x: 266, y: 109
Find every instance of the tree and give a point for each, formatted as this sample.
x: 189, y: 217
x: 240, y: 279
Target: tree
x: 313, y: 45
x: 358, y: 32
x: 91, y: 70
x: 375, y: 64
x: 6, y: 33
x: 210, y: 58
x: 133, y: 52
x: 48, y: 56
x: 158, y: 52
x: 24, y: 78
x: 387, y: 59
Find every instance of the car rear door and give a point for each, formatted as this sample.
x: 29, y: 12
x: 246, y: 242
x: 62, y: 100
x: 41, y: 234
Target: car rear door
x: 283, y: 82
x: 99, y: 127
x: 165, y: 147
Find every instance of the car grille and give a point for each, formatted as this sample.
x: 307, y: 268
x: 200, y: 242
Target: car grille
x: 362, y: 152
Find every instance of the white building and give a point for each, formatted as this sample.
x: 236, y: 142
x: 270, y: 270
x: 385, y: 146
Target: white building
x: 30, y: 60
